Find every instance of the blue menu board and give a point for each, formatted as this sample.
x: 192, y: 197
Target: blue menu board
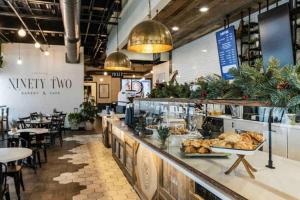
x: 227, y: 51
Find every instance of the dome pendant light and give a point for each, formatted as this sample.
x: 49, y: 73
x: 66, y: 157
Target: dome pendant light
x: 117, y: 61
x: 150, y: 36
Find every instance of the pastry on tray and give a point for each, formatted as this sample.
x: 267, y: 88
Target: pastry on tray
x: 178, y: 130
x: 245, y: 141
x: 152, y: 126
x: 200, y: 146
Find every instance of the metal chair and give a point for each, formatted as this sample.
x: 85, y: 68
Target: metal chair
x: 4, y: 188
x: 56, y: 131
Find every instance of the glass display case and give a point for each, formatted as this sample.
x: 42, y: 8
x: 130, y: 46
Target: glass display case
x: 212, y: 117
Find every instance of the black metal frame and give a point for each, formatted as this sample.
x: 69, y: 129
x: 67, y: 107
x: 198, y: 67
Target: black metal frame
x: 43, y: 18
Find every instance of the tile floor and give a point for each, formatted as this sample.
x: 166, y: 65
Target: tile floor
x: 101, y: 176
x: 82, y: 169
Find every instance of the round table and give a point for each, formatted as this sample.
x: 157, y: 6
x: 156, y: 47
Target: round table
x: 39, y: 122
x: 14, y: 154
x: 32, y: 131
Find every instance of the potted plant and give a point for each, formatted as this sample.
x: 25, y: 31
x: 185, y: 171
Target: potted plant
x: 163, y: 134
x: 88, y: 112
x: 14, y: 126
x: 74, y: 120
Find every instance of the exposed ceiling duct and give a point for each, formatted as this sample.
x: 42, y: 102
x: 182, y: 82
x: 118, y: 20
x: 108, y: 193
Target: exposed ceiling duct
x: 70, y: 10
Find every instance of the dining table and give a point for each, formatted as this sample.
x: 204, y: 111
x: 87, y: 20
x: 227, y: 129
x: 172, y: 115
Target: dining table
x: 31, y: 131
x: 14, y: 154
x: 38, y: 123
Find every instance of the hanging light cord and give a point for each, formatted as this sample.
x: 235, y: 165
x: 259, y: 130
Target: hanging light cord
x: 149, y: 3
x: 19, y: 51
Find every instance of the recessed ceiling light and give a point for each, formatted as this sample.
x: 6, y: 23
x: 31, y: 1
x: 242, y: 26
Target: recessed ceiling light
x: 19, y: 61
x: 204, y: 50
x: 21, y: 32
x: 151, y: 72
x: 175, y: 28
x: 37, y: 45
x: 203, y: 9
x: 101, y: 79
x: 105, y: 73
x: 133, y: 76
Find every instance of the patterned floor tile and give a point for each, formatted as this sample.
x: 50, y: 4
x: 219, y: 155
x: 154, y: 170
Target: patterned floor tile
x: 101, y: 175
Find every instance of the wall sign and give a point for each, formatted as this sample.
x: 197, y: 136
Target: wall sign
x: 117, y: 74
x: 227, y: 50
x: 39, y: 85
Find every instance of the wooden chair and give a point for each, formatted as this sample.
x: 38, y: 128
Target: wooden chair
x: 4, y: 188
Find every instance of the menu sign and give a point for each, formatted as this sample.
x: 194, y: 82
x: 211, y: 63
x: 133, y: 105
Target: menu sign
x: 117, y: 74
x: 227, y: 51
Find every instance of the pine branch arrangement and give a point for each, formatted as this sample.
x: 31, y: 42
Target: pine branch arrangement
x: 278, y: 85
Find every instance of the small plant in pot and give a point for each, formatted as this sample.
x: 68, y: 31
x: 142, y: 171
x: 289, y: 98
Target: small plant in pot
x: 14, y: 126
x: 163, y: 134
x: 88, y: 112
x: 74, y: 120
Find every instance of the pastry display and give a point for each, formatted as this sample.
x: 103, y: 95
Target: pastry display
x: 178, y: 130
x: 200, y: 146
x: 245, y: 141
x: 152, y: 126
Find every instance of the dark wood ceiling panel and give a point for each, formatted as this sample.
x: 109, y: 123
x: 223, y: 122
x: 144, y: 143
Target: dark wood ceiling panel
x: 193, y: 24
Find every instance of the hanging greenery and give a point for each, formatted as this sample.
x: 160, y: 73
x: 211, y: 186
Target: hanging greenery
x: 278, y: 85
x: 171, y: 89
x: 245, y: 82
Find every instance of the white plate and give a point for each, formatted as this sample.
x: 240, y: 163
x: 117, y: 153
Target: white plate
x: 236, y: 151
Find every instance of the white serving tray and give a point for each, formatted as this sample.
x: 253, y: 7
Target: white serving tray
x: 236, y: 151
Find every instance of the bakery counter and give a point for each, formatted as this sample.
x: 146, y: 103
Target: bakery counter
x: 106, y: 127
x: 188, y: 174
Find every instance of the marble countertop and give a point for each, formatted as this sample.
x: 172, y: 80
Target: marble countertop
x: 279, y: 183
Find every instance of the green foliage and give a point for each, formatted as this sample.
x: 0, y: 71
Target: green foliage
x: 278, y: 85
x: 216, y: 86
x: 163, y: 133
x: 171, y: 89
x: 201, y: 89
x: 88, y: 111
x: 245, y: 82
x: 74, y: 118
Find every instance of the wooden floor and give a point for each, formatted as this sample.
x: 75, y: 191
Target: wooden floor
x: 62, y: 178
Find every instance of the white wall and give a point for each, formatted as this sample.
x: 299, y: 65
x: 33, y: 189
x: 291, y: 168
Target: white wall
x: 190, y: 60
x: 43, y: 96
x: 161, y: 73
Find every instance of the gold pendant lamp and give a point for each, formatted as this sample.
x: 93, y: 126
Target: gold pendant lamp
x: 150, y: 36
x: 117, y: 61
